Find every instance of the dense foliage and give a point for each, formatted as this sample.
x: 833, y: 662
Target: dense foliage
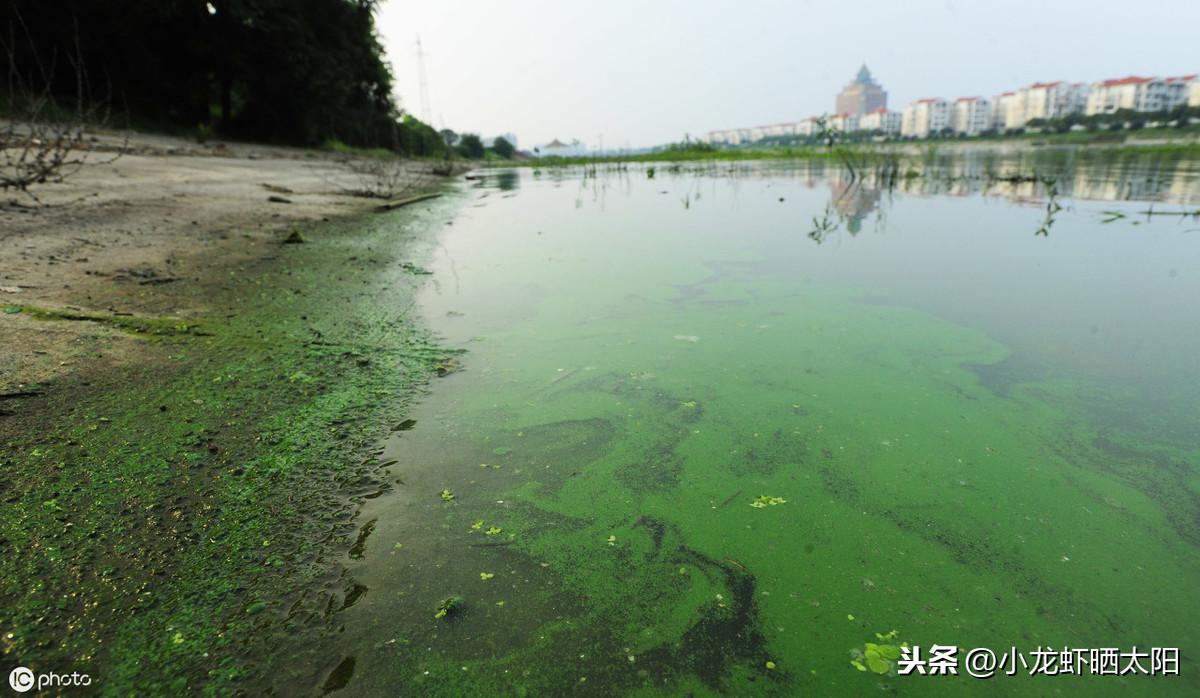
x: 470, y: 145
x: 297, y: 71
x: 503, y: 148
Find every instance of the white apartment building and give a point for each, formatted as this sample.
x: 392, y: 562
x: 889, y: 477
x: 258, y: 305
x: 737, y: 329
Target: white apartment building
x: 1179, y: 89
x: 785, y: 129
x: 882, y: 120
x: 808, y: 127
x: 926, y: 117
x: 1001, y: 106
x: 846, y: 123
x: 972, y: 115
x: 729, y: 136
x: 1041, y: 100
x: 1077, y: 97
x: 1194, y: 95
x: 1133, y: 92
x: 1052, y: 100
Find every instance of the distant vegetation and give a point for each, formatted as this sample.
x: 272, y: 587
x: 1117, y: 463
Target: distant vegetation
x: 852, y: 152
x: 303, y: 72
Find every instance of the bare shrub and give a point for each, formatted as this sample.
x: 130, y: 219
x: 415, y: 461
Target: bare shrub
x: 44, y: 138
x: 385, y: 178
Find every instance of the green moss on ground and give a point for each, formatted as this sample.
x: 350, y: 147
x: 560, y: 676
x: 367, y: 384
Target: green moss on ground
x: 167, y: 522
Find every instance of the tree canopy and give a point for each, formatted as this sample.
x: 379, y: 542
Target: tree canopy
x: 503, y: 148
x: 296, y: 71
x: 470, y: 146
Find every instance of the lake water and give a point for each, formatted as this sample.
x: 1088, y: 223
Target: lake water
x: 719, y: 428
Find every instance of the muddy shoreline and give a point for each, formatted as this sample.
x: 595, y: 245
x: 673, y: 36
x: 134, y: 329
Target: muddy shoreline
x: 191, y: 407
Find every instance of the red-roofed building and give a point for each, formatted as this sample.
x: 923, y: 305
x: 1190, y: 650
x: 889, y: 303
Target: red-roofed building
x: 1054, y: 100
x: 1182, y: 89
x: 926, y: 117
x: 846, y: 123
x: 972, y: 115
x: 1041, y: 100
x: 1008, y: 111
x: 881, y: 120
x: 808, y: 127
x: 1133, y: 92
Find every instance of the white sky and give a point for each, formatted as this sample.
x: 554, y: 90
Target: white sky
x: 644, y: 72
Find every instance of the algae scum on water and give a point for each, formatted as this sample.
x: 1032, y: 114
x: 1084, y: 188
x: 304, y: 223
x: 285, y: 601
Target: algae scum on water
x: 695, y: 450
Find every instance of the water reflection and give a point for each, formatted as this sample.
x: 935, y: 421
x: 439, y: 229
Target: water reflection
x: 508, y: 180
x: 1043, y: 178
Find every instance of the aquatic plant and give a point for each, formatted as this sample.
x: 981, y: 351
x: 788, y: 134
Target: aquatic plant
x: 879, y: 658
x: 447, y: 606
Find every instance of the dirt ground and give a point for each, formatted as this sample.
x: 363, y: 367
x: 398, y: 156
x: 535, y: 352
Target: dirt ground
x: 146, y: 213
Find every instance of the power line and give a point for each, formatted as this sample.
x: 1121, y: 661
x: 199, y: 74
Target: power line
x: 426, y: 109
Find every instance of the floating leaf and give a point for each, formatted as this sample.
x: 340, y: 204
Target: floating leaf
x: 486, y: 576
x: 877, y: 658
x: 767, y: 501
x: 493, y: 531
x: 447, y: 495
x: 447, y: 606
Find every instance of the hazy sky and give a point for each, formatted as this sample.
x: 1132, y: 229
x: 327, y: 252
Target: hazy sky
x: 644, y: 72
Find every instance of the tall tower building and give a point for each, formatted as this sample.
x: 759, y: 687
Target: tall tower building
x: 861, y: 96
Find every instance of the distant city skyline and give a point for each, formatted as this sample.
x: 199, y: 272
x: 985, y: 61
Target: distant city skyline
x: 641, y: 74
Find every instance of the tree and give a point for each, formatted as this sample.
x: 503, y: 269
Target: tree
x: 470, y: 146
x: 450, y: 137
x: 415, y: 137
x: 503, y: 148
x: 298, y: 71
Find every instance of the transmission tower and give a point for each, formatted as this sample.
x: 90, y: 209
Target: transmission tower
x: 426, y: 110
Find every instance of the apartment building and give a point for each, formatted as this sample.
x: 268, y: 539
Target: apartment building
x: 784, y: 129
x: 972, y: 115
x: 1133, y: 92
x: 1179, y: 89
x: 925, y: 117
x: 1052, y: 100
x: 846, y: 123
x: 807, y: 128
x: 1001, y: 106
x: 881, y: 120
